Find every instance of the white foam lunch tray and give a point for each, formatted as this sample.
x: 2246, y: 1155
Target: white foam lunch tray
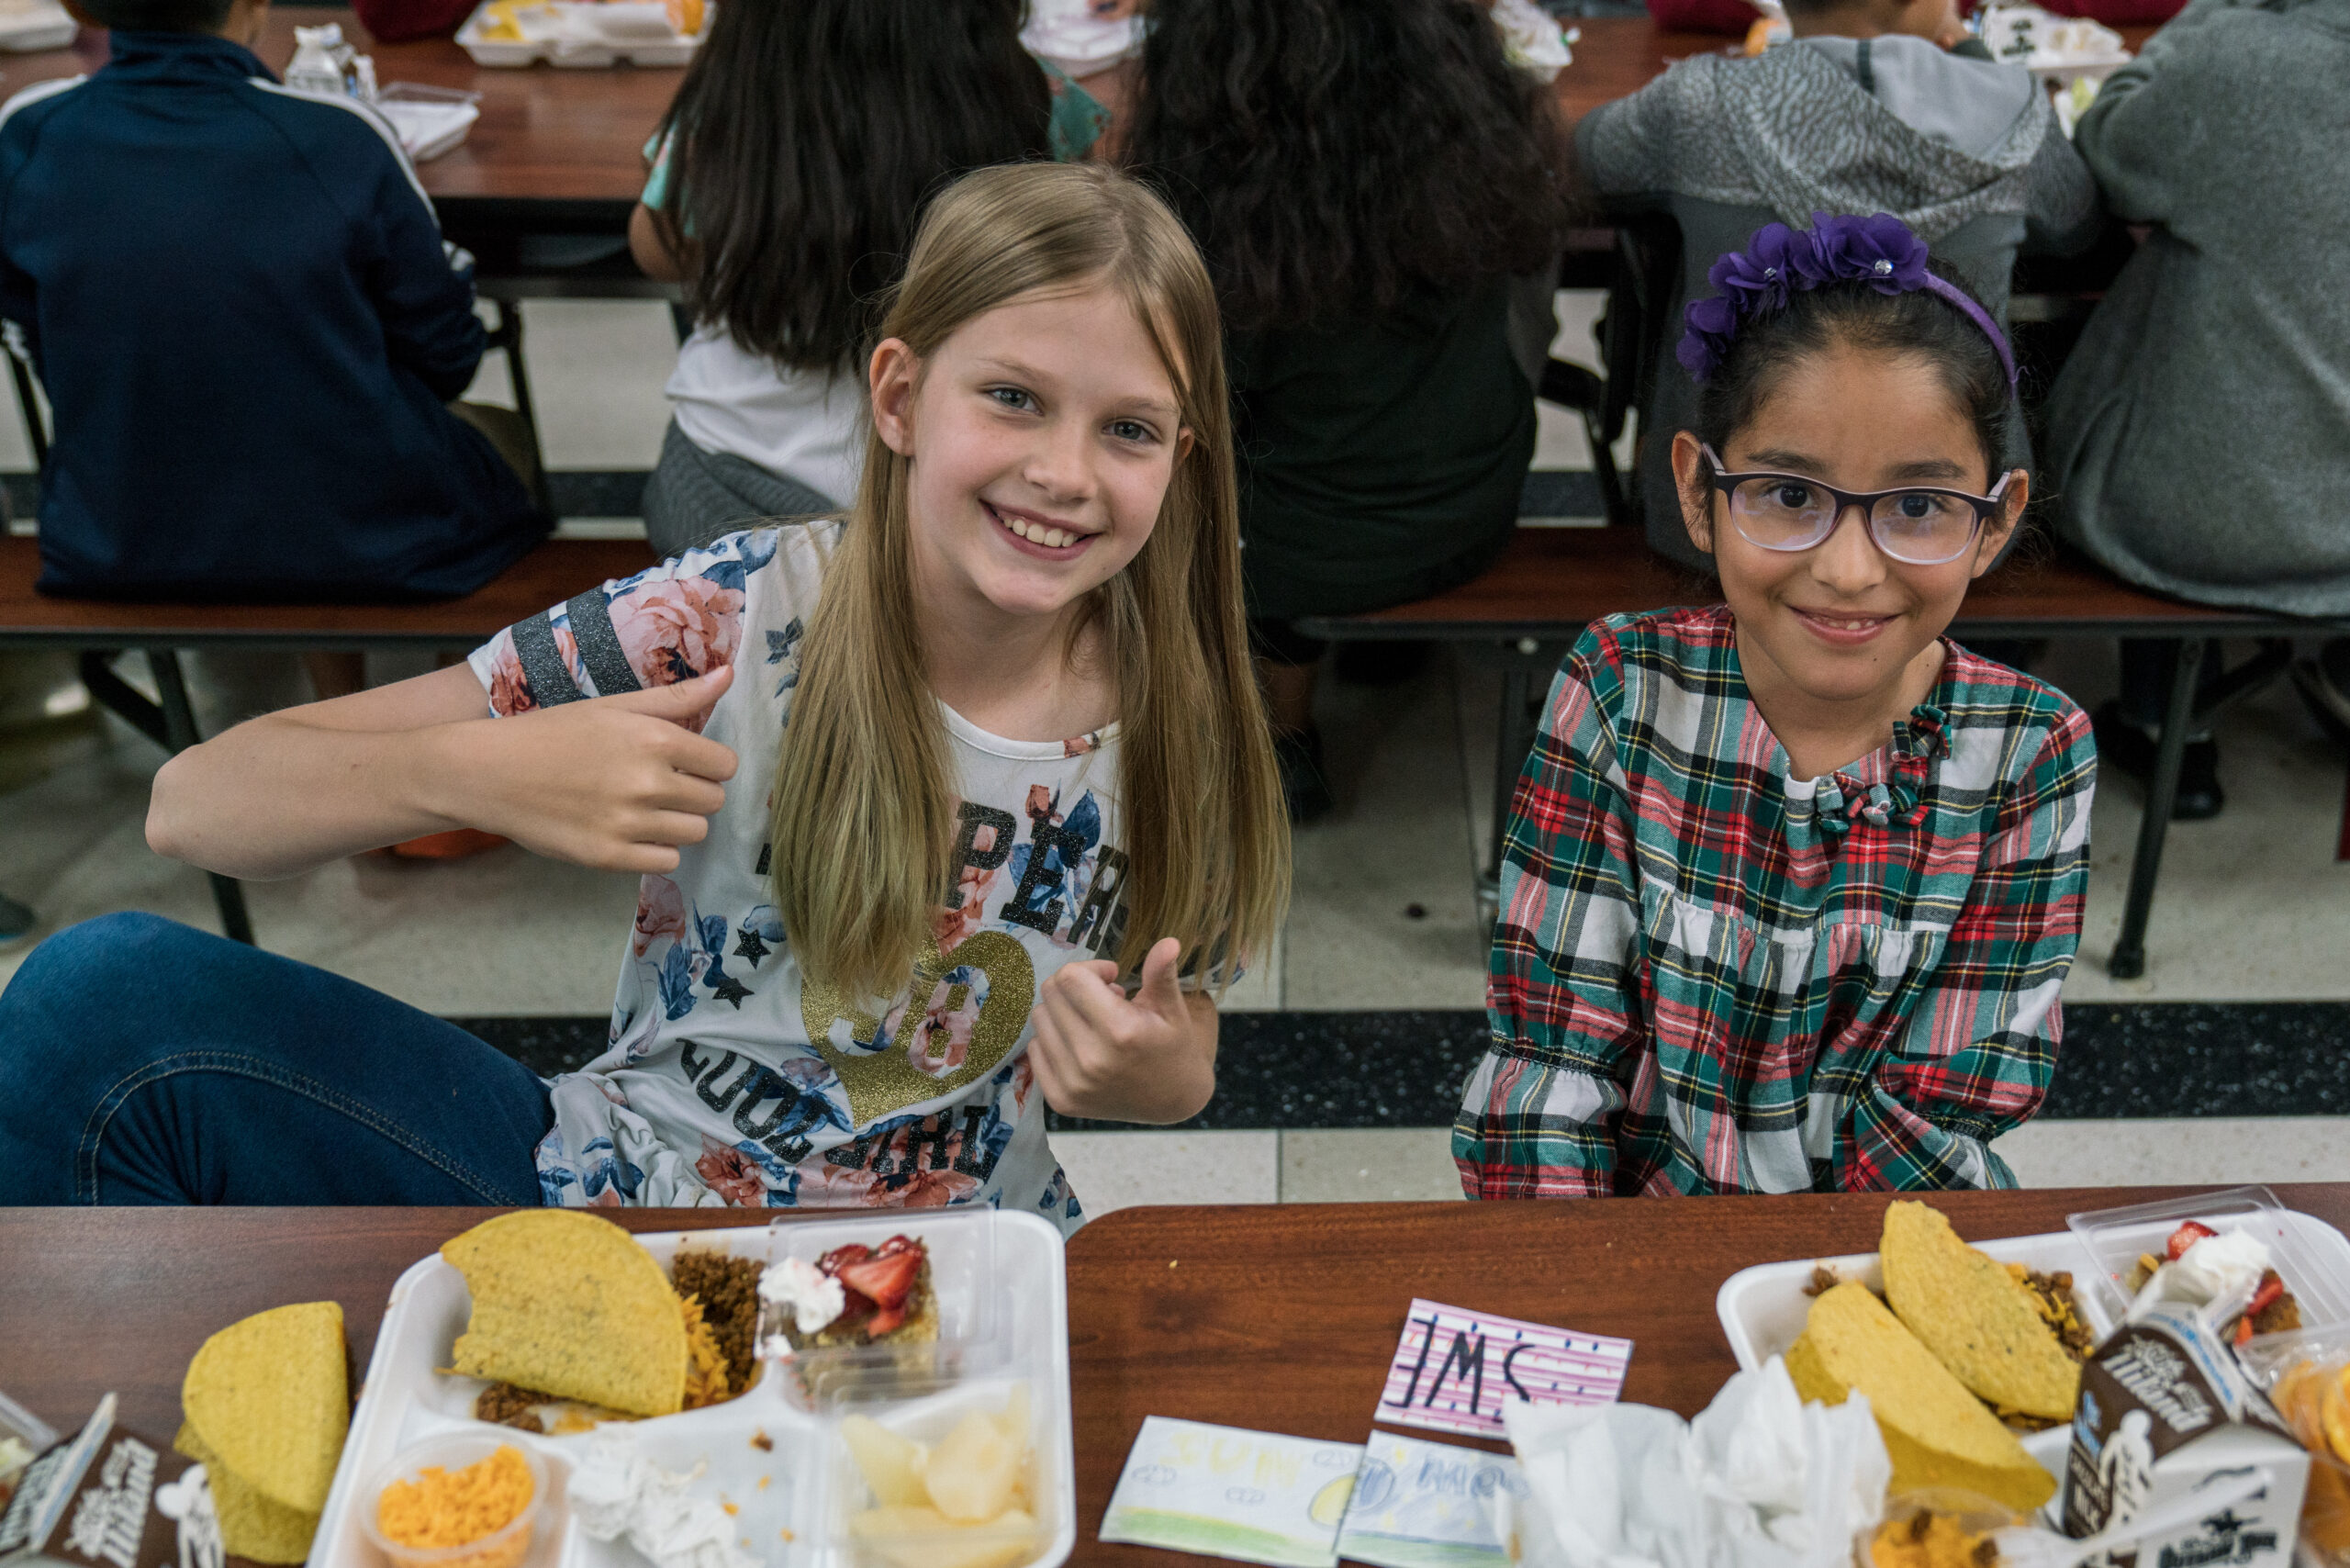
x: 1763, y: 1308
x: 793, y: 1520
x: 570, y: 34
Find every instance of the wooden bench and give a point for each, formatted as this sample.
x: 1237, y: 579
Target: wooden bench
x: 1551, y: 582
x: 99, y: 629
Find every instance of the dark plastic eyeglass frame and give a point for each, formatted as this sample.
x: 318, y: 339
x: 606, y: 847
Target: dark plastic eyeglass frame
x: 1986, y: 508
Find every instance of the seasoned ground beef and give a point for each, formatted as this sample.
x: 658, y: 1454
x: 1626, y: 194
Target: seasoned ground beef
x: 728, y: 1291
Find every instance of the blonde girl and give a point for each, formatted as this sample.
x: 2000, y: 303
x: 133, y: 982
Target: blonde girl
x: 917, y: 796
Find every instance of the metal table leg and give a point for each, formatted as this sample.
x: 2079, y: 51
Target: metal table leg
x: 179, y: 722
x: 2129, y: 960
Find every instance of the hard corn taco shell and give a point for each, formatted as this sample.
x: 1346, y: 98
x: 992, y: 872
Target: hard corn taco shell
x: 1973, y: 1316
x: 1936, y: 1432
x: 568, y: 1304
x: 269, y: 1397
x: 251, y: 1525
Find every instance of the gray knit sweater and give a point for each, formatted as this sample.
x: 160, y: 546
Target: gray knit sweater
x: 1965, y: 151
x: 2200, y: 435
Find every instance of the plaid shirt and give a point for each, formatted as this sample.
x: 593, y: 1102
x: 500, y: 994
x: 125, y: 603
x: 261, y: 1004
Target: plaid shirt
x: 1711, y: 977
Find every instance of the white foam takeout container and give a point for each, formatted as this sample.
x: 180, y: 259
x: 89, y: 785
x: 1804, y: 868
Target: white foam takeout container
x: 1762, y: 1309
x: 587, y: 36
x: 793, y: 1498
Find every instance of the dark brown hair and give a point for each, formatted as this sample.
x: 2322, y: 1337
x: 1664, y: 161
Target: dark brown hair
x: 806, y: 138
x: 1326, y: 155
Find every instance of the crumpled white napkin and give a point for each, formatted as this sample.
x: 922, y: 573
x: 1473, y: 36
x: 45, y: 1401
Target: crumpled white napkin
x: 1759, y: 1479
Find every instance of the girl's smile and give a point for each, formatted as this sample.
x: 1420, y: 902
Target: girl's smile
x: 1048, y: 539
x: 1839, y: 640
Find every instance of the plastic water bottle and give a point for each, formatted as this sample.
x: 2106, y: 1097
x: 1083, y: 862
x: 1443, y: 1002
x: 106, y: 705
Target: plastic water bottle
x: 315, y: 67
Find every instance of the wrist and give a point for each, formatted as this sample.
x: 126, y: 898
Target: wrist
x: 433, y: 776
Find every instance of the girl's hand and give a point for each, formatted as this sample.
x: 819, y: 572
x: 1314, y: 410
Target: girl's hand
x: 613, y: 782
x: 1098, y: 1054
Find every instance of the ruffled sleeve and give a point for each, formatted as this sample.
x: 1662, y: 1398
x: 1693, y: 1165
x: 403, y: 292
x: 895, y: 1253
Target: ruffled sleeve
x: 1537, y: 1115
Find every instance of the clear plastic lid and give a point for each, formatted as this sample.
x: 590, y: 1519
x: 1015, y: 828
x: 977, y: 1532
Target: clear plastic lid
x: 2311, y: 1256
x: 970, y: 1296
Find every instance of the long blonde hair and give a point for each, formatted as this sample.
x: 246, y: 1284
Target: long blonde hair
x: 865, y: 812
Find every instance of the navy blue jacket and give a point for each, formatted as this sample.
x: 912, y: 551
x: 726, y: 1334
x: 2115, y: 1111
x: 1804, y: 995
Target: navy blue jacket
x: 241, y: 305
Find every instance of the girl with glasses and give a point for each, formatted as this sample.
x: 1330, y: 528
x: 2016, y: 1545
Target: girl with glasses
x: 1791, y: 883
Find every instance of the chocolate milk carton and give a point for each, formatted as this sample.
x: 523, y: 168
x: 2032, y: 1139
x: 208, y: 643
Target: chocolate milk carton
x: 2165, y: 1412
x: 109, y: 1498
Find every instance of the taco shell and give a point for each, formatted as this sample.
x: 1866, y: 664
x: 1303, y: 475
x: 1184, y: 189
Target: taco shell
x: 1936, y: 1432
x: 251, y: 1525
x: 568, y: 1304
x: 1971, y: 1313
x: 269, y: 1397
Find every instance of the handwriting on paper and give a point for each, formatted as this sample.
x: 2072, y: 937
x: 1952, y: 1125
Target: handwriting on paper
x: 1454, y: 1367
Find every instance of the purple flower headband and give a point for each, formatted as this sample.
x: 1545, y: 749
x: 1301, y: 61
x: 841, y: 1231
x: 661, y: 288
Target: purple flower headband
x: 1778, y: 261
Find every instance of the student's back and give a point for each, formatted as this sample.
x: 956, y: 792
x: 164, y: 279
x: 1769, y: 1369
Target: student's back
x: 1964, y: 150
x: 240, y: 305
x: 1365, y: 177
x: 2200, y: 431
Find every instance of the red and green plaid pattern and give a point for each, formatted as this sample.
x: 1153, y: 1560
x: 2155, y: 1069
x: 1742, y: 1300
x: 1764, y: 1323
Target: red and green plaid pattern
x: 1710, y: 977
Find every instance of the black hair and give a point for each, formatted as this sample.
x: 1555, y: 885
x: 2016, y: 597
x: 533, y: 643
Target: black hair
x: 1327, y: 154
x: 160, y: 16
x: 1918, y: 323
x: 807, y: 136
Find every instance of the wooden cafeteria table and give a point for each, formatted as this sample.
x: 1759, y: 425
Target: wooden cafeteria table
x: 561, y: 151
x: 1280, y: 1318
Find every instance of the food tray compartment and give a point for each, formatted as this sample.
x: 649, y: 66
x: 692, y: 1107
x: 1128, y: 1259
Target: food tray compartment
x: 2311, y: 1256
x: 2325, y: 1541
x: 1763, y: 1308
x: 927, y: 1417
x: 757, y: 1452
x: 986, y: 1279
x: 405, y: 1400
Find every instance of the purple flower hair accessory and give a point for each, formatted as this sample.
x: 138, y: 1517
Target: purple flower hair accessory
x: 1879, y: 252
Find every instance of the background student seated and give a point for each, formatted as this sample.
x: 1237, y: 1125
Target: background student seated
x: 2200, y: 433
x: 786, y: 181
x: 1867, y: 111
x: 1364, y: 176
x: 249, y: 327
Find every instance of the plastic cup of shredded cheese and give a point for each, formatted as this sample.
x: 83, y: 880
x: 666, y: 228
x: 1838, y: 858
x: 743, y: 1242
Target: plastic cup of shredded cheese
x: 468, y: 1500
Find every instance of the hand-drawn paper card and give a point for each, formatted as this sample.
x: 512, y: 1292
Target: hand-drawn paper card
x: 1255, y: 1496
x: 1454, y: 1367
x: 1422, y: 1505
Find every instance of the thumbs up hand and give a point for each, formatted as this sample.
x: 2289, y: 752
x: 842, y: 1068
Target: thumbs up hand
x: 613, y: 782
x: 1149, y: 1058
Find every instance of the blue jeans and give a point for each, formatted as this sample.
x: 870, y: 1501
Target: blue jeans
x: 143, y: 1062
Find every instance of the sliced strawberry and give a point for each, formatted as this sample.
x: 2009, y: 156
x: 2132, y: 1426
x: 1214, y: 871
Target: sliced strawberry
x: 885, y: 1281
x: 898, y: 1244
x: 840, y: 1258
x: 889, y: 1317
x: 2185, y: 1236
x: 2272, y: 1285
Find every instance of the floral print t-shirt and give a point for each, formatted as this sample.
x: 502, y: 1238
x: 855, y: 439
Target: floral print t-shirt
x: 729, y: 1078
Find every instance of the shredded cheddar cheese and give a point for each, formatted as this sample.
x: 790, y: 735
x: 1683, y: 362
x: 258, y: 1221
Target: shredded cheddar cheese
x: 441, y: 1508
x: 705, y: 1362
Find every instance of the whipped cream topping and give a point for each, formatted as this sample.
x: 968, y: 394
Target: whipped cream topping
x: 2219, y: 1271
x: 812, y: 1297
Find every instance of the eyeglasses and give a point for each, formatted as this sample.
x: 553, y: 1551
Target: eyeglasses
x: 1922, y: 525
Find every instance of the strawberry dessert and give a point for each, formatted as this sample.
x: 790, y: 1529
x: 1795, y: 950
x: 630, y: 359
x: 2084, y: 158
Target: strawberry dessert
x: 883, y: 1296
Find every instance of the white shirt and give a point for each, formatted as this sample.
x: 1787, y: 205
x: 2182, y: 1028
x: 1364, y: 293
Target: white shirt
x: 806, y: 425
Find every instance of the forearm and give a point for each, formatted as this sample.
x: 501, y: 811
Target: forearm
x: 279, y: 795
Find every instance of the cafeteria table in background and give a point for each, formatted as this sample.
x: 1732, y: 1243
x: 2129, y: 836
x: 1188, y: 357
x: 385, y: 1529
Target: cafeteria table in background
x: 1278, y: 1318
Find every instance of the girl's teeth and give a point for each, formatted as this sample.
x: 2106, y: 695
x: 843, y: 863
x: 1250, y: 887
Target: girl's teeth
x: 1050, y: 538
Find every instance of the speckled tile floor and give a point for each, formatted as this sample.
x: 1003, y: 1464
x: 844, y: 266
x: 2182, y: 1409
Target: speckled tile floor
x: 2253, y: 906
